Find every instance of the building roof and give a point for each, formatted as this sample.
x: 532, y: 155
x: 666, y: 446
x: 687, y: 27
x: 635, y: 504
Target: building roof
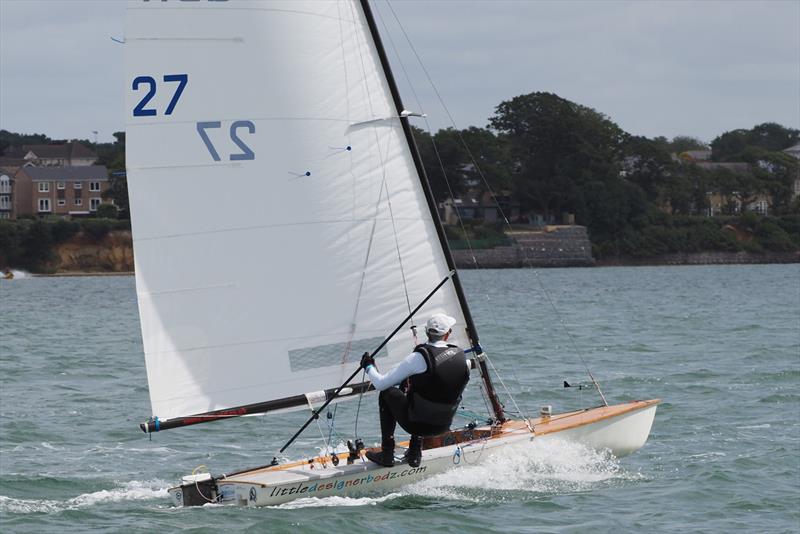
x: 697, y: 155
x: 9, y: 170
x: 93, y: 173
x: 67, y: 151
x: 7, y: 162
x: 735, y: 166
x: 793, y: 150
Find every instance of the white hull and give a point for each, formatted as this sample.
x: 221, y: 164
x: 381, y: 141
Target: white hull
x: 622, y: 429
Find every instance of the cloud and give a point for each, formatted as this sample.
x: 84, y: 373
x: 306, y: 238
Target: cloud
x: 656, y: 68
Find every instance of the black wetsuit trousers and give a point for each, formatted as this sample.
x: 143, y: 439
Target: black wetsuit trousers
x: 393, y: 406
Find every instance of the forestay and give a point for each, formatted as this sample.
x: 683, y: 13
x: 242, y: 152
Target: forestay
x: 280, y: 228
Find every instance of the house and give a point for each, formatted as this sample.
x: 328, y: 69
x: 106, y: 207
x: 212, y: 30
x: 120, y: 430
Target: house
x: 7, y: 197
x: 695, y: 155
x: 794, y: 151
x: 722, y: 204
x: 736, y: 167
x: 72, y: 154
x: 64, y: 191
x: 477, y: 206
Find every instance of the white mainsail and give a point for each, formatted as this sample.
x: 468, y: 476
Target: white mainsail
x: 278, y: 233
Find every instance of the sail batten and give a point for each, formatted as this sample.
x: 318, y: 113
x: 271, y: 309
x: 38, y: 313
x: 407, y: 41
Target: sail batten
x: 274, y: 242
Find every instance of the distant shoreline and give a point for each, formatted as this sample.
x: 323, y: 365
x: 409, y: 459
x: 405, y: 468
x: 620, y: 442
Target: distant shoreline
x: 704, y: 258
x: 697, y: 258
x: 73, y: 274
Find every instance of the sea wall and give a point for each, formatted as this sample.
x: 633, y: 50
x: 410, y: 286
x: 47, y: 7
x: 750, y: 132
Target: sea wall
x: 704, y: 258
x: 554, y: 246
x: 560, y: 246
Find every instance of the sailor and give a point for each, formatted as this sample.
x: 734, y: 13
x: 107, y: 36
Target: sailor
x: 437, y: 374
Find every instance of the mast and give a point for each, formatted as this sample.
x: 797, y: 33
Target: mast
x: 472, y: 332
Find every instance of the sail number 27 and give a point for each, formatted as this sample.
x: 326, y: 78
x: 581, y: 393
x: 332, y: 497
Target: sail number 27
x: 141, y: 110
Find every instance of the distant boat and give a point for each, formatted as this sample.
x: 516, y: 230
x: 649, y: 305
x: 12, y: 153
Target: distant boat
x: 283, y: 225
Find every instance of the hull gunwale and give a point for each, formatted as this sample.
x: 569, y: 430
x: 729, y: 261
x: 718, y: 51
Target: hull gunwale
x: 272, y: 485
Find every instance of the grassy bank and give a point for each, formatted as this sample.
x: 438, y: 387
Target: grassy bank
x: 662, y: 234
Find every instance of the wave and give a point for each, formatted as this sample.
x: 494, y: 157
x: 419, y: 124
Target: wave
x: 542, y: 467
x: 335, y: 501
x: 546, y: 467
x: 128, y: 491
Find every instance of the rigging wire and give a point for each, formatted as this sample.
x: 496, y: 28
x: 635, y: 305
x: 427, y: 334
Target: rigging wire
x: 474, y: 162
x: 447, y: 182
x: 321, y: 433
x: 384, y: 187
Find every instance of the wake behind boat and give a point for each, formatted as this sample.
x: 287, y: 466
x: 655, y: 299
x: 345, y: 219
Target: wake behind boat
x: 282, y: 225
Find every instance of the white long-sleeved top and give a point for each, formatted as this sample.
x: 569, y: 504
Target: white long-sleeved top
x: 413, y: 364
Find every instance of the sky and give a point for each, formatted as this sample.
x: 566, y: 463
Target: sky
x: 696, y: 68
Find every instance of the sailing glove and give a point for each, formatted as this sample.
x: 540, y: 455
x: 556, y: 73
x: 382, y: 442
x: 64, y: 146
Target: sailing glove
x: 367, y: 360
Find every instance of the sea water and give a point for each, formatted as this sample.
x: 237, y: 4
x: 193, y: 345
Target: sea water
x: 719, y: 344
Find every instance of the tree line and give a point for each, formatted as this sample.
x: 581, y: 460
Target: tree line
x: 555, y: 156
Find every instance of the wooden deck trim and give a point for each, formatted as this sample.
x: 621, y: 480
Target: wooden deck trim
x: 566, y: 421
x: 541, y: 426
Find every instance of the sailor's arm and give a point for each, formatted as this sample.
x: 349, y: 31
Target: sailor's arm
x: 412, y: 364
x: 474, y: 363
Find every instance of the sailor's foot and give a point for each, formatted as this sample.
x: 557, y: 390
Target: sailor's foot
x: 413, y: 454
x: 383, y: 458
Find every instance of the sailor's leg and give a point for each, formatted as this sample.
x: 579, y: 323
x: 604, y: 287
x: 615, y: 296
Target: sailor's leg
x: 392, y: 405
x: 418, y: 430
x: 414, y: 453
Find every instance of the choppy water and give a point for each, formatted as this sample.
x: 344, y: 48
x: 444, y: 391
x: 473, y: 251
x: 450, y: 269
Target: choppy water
x: 721, y: 346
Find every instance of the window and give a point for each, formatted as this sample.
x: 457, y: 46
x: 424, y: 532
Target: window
x: 77, y: 185
x: 94, y: 186
x: 93, y: 203
x: 60, y: 185
x: 44, y: 187
x: 62, y: 202
x: 5, y: 202
x: 44, y: 204
x: 79, y: 202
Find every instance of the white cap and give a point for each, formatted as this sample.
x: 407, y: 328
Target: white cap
x: 439, y: 324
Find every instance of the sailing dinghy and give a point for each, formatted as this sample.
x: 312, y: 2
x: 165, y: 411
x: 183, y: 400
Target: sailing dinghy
x: 282, y: 224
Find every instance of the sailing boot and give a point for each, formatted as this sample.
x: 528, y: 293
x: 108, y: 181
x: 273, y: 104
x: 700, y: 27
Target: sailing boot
x: 386, y: 455
x: 414, y: 452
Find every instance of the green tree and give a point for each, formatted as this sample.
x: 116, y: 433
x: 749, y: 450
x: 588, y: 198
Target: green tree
x: 10, y: 244
x: 729, y: 145
x: 11, y: 139
x: 773, y: 137
x: 37, y: 244
x: 119, y: 180
x: 648, y: 164
x: 769, y: 136
x: 107, y: 211
x: 558, y: 147
x: 682, y: 143
x: 443, y: 185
